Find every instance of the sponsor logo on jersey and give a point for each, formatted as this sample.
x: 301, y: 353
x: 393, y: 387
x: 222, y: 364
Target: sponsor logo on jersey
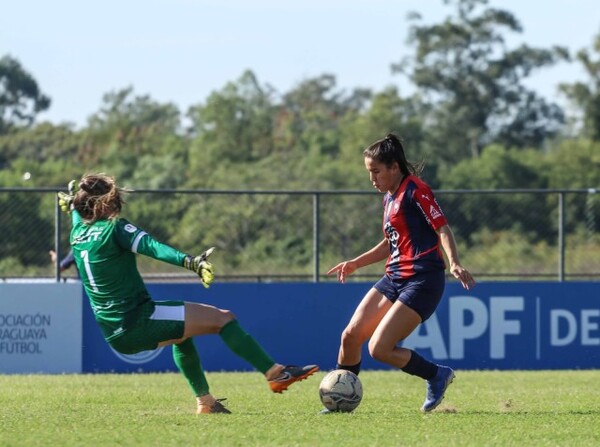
x: 130, y: 228
x: 434, y: 212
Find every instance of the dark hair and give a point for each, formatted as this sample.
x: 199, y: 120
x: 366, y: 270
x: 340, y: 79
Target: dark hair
x: 98, y: 197
x: 389, y: 150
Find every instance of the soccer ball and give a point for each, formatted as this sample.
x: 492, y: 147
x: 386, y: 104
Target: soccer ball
x: 340, y: 390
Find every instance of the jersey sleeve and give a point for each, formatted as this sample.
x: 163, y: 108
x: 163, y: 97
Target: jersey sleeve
x: 75, y: 217
x: 425, y: 200
x: 137, y: 240
x: 68, y: 260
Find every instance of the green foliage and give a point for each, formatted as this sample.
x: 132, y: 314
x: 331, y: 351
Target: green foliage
x: 39, y: 144
x: 127, y: 128
x: 576, y: 164
x: 20, y: 229
x: 501, y: 253
x: 471, y: 120
x: 234, y: 125
x: 586, y: 96
x: 473, y: 83
x: 497, y: 168
x: 20, y: 96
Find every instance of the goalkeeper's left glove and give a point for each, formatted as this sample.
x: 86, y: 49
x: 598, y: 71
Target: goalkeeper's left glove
x: 200, y: 266
x: 65, y: 200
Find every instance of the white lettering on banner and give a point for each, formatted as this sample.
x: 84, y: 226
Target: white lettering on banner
x: 462, y: 328
x: 500, y: 326
x: 587, y: 326
x: 459, y: 330
x: 570, y: 320
x: 432, y: 339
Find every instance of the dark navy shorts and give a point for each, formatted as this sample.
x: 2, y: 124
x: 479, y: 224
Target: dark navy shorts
x: 422, y: 292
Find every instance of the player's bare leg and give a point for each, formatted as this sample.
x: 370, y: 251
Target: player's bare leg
x: 398, y: 324
x: 363, y: 323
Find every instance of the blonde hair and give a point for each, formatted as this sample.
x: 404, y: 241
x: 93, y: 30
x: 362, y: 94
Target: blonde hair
x: 98, y: 197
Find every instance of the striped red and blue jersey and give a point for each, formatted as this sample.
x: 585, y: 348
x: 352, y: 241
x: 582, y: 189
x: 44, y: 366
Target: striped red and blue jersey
x: 410, y: 217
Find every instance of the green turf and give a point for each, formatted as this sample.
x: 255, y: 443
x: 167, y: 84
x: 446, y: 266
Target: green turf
x: 482, y: 408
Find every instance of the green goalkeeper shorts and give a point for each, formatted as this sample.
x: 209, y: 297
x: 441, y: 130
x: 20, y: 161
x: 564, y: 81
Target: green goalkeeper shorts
x: 158, y: 321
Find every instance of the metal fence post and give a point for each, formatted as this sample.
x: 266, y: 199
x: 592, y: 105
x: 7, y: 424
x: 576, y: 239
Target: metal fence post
x: 561, y: 236
x: 57, y: 219
x: 316, y: 229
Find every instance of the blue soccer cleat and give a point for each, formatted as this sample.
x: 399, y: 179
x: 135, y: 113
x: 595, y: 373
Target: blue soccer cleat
x: 436, y: 388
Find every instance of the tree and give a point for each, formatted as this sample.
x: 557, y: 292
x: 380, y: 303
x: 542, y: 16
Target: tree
x: 387, y: 112
x: 575, y: 164
x: 20, y: 97
x: 235, y: 124
x: 128, y: 127
x: 498, y: 168
x: 309, y: 129
x: 586, y: 97
x: 473, y: 83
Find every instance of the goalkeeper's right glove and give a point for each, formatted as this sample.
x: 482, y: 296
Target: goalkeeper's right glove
x: 200, y: 266
x: 65, y: 200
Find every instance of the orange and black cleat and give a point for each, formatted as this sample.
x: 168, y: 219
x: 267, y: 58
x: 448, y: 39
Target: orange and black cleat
x: 291, y: 374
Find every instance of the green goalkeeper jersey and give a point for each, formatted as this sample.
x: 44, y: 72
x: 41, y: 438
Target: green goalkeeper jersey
x: 105, y: 256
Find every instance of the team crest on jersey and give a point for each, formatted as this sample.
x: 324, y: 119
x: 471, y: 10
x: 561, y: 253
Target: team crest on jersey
x: 130, y: 228
x: 434, y: 212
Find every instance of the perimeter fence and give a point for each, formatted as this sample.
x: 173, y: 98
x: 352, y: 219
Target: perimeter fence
x: 272, y: 236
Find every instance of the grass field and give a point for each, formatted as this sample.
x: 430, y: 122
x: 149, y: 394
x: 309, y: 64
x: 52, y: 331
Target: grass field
x: 482, y: 408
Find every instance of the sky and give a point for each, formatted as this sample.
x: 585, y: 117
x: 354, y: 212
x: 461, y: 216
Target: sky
x: 180, y: 51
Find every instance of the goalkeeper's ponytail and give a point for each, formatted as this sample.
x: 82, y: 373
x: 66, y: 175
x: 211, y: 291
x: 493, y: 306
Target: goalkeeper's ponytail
x: 98, y: 198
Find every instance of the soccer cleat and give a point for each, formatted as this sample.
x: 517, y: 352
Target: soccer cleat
x: 436, y: 388
x: 291, y: 374
x: 216, y: 407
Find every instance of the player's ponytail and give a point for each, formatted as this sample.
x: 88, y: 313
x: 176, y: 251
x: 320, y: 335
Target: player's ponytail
x: 389, y: 150
x: 98, y: 198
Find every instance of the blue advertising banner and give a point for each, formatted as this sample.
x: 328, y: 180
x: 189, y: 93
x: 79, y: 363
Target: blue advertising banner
x: 40, y: 328
x: 497, y: 325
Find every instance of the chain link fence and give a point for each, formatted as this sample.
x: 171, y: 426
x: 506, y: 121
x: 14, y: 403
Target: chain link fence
x: 298, y: 235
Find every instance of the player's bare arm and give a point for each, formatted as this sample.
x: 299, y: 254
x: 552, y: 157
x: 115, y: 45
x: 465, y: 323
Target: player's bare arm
x: 346, y: 268
x: 456, y: 269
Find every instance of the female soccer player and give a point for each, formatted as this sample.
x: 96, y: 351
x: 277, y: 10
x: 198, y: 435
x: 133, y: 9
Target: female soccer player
x: 409, y: 292
x: 104, y: 246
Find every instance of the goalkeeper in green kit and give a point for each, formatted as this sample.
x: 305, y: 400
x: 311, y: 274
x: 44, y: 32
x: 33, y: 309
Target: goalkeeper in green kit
x: 105, y: 245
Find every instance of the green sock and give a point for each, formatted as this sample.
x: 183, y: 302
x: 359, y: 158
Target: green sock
x: 188, y: 361
x: 244, y: 345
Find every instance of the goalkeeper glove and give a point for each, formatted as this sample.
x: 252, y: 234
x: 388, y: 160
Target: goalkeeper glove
x: 65, y: 200
x: 200, y: 266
